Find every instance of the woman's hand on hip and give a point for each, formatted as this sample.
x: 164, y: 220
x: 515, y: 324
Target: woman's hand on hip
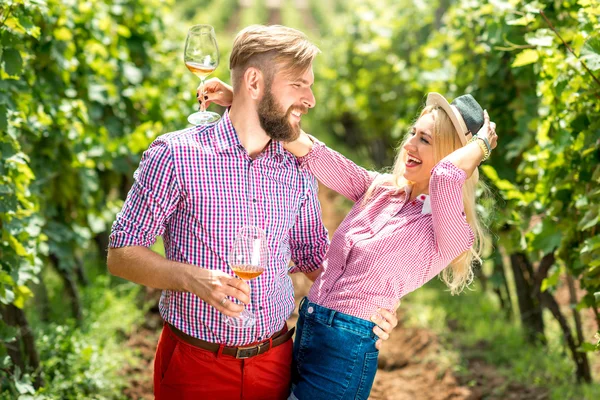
x: 386, y: 322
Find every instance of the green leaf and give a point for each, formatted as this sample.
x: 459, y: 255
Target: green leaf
x: 8, y: 203
x: 3, y: 117
x: 63, y: 34
x: 506, y: 187
x: 587, y: 347
x: 548, y: 239
x: 526, y: 57
x: 24, y: 386
x: 22, y: 293
x: 589, y: 220
x: 541, y: 38
x: 590, y: 53
x: 16, y: 246
x: 550, y: 281
x: 522, y: 21
x: 585, y: 302
x: 7, y: 334
x: 7, y: 297
x: 594, y: 263
x: 26, y: 23
x: 597, y: 297
x: 596, y: 174
x: 591, y: 244
x: 132, y: 73
x: 13, y: 63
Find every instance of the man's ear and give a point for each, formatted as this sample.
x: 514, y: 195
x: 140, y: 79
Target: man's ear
x: 254, y: 82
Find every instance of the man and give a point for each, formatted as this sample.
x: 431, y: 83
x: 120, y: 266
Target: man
x: 196, y: 188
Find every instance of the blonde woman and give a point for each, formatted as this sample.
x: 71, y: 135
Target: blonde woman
x: 404, y: 229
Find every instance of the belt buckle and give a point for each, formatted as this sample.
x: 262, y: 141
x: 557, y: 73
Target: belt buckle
x: 246, y: 352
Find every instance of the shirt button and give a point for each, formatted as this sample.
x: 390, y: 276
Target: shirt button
x: 259, y: 338
x: 254, y: 200
x: 351, y: 243
x: 310, y: 310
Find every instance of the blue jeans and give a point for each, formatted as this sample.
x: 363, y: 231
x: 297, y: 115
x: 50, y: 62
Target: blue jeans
x: 334, y: 355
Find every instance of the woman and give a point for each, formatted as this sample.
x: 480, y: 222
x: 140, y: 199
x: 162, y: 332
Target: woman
x: 404, y: 229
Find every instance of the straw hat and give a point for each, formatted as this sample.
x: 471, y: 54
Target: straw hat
x: 465, y: 113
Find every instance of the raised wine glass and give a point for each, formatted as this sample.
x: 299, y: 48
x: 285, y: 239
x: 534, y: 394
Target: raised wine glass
x: 201, y: 57
x: 248, y: 259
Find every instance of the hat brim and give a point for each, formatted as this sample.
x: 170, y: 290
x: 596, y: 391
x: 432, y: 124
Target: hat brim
x: 436, y: 99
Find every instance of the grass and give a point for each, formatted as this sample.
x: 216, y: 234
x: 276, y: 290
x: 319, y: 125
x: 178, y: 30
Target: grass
x: 479, y: 330
x: 87, y: 361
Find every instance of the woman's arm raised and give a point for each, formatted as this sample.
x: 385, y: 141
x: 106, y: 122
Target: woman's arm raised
x: 470, y: 156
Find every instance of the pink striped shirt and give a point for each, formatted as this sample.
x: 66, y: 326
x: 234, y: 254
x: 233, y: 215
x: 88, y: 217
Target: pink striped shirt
x: 196, y: 188
x: 389, y: 247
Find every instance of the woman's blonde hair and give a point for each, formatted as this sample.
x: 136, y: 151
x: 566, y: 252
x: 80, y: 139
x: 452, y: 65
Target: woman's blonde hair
x: 445, y: 141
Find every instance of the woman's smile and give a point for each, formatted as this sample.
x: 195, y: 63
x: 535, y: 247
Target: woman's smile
x: 413, y: 161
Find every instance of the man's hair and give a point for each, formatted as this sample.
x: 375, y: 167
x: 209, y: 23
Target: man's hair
x: 270, y: 49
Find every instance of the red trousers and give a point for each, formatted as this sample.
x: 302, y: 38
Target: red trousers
x: 185, y: 372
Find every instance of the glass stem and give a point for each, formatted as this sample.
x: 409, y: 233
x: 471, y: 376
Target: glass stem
x: 202, y: 105
x: 249, y: 296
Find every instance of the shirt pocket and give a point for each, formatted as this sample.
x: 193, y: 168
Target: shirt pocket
x: 211, y: 219
x: 282, y: 198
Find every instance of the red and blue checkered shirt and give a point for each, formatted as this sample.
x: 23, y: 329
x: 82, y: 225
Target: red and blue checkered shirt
x: 196, y: 187
x: 390, y: 246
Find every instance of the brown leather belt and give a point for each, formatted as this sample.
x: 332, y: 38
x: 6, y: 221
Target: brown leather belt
x: 278, y: 338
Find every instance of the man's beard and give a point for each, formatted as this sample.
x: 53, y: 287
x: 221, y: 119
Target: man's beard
x: 276, y: 123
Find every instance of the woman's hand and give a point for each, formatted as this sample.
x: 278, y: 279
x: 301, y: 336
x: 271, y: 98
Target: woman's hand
x: 488, y: 131
x: 215, y: 91
x: 386, y: 322
x: 301, y: 146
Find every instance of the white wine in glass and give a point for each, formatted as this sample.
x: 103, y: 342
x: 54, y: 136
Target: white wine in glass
x: 248, y: 259
x: 201, y: 57
x: 247, y: 272
x: 200, y: 70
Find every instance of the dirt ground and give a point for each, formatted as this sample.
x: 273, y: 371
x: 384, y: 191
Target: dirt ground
x: 407, y: 366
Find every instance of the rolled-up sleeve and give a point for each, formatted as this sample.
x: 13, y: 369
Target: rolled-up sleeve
x: 308, y: 238
x: 452, y: 234
x: 151, y: 201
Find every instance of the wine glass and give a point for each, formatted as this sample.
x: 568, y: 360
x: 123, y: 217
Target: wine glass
x: 201, y: 57
x: 248, y: 259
